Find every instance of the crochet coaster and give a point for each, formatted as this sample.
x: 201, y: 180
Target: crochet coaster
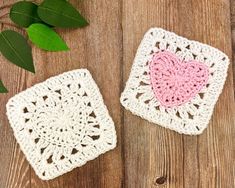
x: 61, y: 123
x: 175, y: 82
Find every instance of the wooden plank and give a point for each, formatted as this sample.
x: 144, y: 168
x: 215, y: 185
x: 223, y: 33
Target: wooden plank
x: 15, y: 170
x: 96, y: 47
x: 232, y: 9
x: 152, y: 151
x: 152, y: 155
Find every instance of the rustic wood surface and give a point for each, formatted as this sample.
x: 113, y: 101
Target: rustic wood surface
x: 146, y: 155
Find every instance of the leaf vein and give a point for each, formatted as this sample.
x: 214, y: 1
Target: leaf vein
x: 60, y: 14
x: 14, y: 50
x: 26, y: 15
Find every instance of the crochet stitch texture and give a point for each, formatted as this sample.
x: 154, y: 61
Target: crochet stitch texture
x: 61, y: 123
x: 174, y: 81
x: 159, y: 52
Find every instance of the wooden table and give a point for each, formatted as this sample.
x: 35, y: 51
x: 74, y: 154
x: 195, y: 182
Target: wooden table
x: 146, y: 155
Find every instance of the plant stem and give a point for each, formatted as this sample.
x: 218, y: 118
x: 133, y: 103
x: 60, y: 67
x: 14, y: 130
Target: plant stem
x: 6, y: 6
x: 4, y: 15
x: 10, y: 24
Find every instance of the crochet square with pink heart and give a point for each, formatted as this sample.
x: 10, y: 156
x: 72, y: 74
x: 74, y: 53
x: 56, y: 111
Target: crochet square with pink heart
x: 175, y: 82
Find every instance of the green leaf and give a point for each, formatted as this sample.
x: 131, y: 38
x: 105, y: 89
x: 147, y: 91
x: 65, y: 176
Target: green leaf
x: 2, y: 88
x: 60, y: 13
x: 16, y: 49
x: 46, y: 38
x: 24, y: 13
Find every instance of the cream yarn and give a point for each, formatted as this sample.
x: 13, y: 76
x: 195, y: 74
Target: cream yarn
x: 189, y: 118
x: 61, y: 123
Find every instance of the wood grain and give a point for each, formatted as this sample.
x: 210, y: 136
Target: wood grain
x: 232, y: 9
x: 96, y: 47
x: 147, y: 155
x: 152, y: 151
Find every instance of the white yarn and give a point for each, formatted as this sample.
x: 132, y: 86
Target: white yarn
x: 61, y: 123
x: 189, y: 118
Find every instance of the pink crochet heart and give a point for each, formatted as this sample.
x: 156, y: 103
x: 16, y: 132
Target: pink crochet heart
x: 175, y: 81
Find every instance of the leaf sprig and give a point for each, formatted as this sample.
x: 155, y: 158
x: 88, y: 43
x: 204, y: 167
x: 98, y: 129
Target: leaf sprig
x: 2, y: 88
x: 39, y: 22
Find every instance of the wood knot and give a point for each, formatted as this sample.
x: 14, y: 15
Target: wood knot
x: 160, y: 180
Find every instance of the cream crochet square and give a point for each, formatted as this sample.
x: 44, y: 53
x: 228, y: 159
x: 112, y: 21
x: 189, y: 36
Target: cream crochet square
x: 189, y: 118
x: 61, y: 123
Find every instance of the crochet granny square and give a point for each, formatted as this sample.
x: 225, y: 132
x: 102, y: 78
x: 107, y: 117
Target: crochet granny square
x: 175, y: 82
x: 61, y: 123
